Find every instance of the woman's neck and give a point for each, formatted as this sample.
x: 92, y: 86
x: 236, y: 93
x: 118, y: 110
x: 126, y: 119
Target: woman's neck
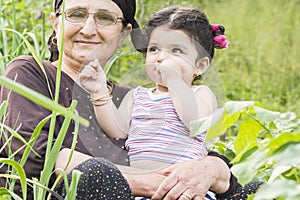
x: 69, y: 69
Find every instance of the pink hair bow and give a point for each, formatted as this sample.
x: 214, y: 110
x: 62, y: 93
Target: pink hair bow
x: 220, y: 41
x: 215, y: 27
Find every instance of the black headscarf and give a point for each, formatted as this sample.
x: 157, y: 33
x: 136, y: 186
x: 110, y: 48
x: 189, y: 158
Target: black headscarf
x: 128, y: 8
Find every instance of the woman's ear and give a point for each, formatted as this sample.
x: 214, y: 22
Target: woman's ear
x: 54, y: 21
x: 202, y: 65
x: 125, y: 32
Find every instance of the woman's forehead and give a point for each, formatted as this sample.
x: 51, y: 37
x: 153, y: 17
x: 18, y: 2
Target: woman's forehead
x: 93, y: 5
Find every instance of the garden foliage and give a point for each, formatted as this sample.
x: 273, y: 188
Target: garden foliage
x: 257, y: 127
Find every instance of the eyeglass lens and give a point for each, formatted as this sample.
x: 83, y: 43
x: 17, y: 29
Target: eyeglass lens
x: 81, y: 15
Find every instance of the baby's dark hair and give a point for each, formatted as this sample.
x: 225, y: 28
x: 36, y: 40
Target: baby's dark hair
x: 192, y: 22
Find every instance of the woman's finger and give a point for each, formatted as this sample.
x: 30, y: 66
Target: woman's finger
x: 180, y: 193
x: 199, y: 198
x: 187, y: 195
x: 164, y: 188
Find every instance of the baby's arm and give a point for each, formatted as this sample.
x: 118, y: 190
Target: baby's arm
x: 206, y: 101
x: 112, y: 121
x: 189, y: 105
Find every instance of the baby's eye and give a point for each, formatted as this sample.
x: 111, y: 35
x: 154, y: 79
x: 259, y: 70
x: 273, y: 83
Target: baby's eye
x: 177, y: 51
x: 153, y: 49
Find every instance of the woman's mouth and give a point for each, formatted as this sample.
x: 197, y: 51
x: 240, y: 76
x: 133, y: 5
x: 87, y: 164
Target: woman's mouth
x: 87, y: 42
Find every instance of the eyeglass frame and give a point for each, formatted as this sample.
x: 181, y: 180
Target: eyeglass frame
x: 118, y: 18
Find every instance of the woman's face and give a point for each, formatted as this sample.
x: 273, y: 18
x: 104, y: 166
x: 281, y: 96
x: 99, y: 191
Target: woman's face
x: 88, y: 40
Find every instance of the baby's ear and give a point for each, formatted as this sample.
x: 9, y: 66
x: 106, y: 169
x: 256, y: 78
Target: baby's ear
x: 202, y: 65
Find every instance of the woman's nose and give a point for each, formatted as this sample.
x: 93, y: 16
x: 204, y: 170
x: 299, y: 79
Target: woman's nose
x: 89, y: 27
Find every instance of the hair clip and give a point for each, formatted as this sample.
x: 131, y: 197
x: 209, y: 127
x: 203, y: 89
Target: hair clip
x: 220, y: 41
x: 215, y: 27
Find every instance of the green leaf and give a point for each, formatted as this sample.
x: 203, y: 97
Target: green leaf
x: 201, y: 125
x: 281, y: 140
x: 279, y: 189
x: 4, y: 191
x: 277, y: 171
x: 288, y: 155
x: 246, y: 151
x: 32, y: 140
x: 40, y: 99
x: 34, y: 53
x: 244, y: 172
x: 249, y: 130
x: 20, y: 172
x: 222, y: 125
x: 71, y: 194
x: 237, y: 106
x: 51, y: 159
x: 266, y: 115
x: 3, y: 108
x: 248, y: 169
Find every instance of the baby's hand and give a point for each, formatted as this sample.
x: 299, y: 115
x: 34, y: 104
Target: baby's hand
x: 93, y: 79
x: 167, y: 74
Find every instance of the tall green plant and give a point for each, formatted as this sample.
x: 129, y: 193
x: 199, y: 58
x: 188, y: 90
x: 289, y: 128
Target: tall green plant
x: 40, y: 186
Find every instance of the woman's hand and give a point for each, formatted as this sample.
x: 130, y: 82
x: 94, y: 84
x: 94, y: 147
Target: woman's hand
x: 193, y: 178
x: 93, y: 79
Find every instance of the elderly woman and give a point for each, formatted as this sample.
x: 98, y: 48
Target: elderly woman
x: 93, y: 29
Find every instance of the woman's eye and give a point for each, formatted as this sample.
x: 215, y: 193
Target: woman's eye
x: 103, y: 17
x: 177, y: 51
x: 152, y: 49
x: 77, y: 14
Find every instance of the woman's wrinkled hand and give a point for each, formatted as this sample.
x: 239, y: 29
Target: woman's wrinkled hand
x: 193, y: 179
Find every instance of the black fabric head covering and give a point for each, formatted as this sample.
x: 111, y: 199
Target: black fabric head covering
x: 128, y: 8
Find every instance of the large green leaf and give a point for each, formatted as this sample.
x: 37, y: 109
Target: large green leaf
x: 201, y: 125
x: 237, y: 106
x: 281, y: 140
x: 249, y: 130
x: 280, y: 189
x: 246, y: 171
x: 265, y: 115
x: 288, y: 155
x: 222, y: 125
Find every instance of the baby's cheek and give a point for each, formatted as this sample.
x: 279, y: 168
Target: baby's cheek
x: 153, y: 73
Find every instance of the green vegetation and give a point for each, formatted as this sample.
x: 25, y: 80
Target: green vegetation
x: 261, y: 65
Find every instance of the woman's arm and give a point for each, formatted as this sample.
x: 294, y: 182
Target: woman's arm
x: 194, y: 177
x: 63, y: 157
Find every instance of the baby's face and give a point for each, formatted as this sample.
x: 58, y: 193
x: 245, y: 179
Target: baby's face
x: 173, y: 49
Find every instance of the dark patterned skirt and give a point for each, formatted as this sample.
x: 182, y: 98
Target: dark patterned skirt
x: 100, y: 179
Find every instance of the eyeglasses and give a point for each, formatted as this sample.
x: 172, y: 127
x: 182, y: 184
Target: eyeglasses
x: 78, y: 15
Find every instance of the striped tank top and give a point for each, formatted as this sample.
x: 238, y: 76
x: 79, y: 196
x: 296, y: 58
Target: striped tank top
x: 157, y: 133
